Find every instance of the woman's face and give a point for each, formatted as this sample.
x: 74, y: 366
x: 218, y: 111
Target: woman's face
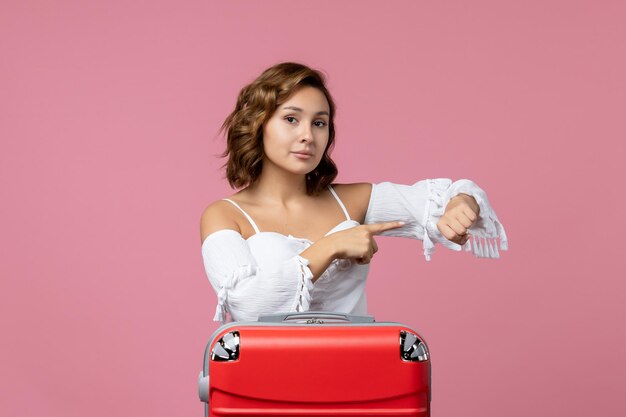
x: 298, y: 125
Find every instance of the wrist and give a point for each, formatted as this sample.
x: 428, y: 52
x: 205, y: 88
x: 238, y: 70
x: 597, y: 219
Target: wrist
x: 330, y: 247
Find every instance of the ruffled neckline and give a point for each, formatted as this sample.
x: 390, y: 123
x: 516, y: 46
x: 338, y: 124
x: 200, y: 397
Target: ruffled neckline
x: 303, y: 238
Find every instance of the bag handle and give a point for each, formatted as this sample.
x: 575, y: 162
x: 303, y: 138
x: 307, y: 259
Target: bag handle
x: 314, y: 317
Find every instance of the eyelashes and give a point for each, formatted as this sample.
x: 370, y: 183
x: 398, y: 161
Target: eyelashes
x: 323, y: 123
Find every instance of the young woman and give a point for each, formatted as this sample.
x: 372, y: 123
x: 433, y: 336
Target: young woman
x: 290, y: 240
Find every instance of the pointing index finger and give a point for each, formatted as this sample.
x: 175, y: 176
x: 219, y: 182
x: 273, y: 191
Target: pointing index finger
x: 381, y: 227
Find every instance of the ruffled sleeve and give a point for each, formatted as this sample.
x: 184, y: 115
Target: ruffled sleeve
x: 244, y: 289
x: 422, y: 204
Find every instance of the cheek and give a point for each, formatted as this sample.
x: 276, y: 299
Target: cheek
x: 323, y: 152
x: 326, y: 139
x: 275, y: 143
x: 270, y: 137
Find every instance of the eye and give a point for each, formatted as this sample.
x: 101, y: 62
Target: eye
x: 322, y: 123
x: 289, y: 117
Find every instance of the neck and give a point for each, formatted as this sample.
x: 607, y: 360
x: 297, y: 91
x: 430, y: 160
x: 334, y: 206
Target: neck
x: 277, y: 187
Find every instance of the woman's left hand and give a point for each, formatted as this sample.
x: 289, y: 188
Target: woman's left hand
x: 460, y: 214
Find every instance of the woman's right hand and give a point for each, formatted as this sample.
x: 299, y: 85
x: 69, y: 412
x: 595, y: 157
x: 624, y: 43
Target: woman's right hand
x: 358, y: 242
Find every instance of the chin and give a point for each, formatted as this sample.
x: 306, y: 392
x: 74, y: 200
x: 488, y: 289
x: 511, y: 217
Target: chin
x: 302, y: 168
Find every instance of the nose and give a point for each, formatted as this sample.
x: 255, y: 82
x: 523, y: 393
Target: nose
x: 307, y: 134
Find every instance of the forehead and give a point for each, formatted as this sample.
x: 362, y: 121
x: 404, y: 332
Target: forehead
x: 309, y: 99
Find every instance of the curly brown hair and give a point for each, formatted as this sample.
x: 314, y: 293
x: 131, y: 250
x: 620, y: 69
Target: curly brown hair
x: 256, y: 104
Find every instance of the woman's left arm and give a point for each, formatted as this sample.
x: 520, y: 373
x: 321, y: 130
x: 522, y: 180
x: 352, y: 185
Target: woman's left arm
x: 439, y: 211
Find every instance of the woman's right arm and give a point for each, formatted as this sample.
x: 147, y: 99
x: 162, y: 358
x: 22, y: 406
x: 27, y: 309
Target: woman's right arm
x: 216, y: 218
x: 244, y: 288
x: 247, y: 290
x: 353, y: 243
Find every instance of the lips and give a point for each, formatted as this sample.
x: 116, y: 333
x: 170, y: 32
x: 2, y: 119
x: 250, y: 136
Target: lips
x: 302, y: 156
x: 303, y: 153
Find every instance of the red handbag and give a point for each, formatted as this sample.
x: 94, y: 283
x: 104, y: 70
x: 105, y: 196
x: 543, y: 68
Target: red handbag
x: 316, y: 364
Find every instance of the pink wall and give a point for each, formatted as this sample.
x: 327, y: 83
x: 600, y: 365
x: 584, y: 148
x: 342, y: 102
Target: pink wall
x: 108, y: 120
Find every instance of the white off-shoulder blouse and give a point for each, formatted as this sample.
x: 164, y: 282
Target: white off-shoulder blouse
x: 265, y: 274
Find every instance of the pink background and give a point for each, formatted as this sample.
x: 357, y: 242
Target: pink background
x: 109, y: 115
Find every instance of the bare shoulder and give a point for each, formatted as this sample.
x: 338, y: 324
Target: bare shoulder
x: 217, y: 216
x: 356, y: 198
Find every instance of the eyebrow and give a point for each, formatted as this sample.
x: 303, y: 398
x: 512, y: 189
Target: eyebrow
x: 300, y: 110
